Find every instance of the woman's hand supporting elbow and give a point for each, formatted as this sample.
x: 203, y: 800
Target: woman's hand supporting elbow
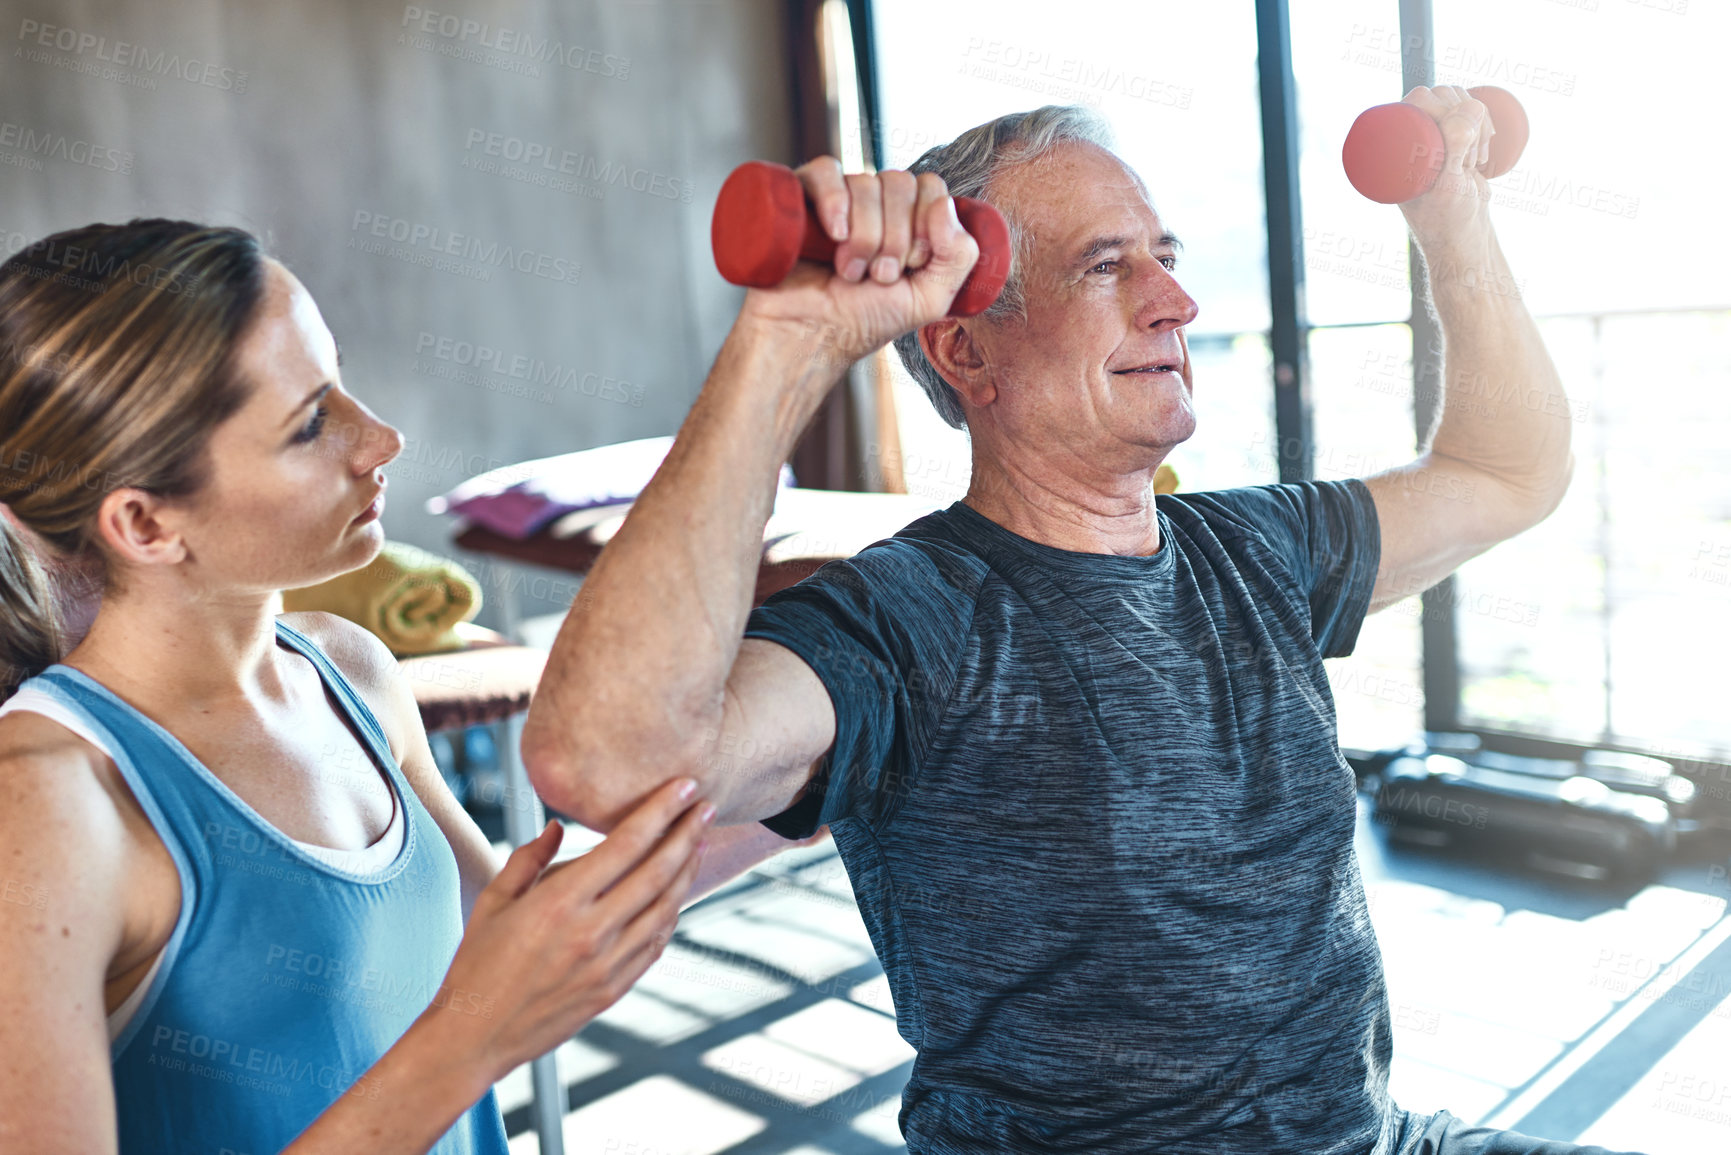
x: 546, y: 950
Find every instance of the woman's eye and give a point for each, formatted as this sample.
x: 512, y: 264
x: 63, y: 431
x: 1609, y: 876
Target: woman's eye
x: 314, y: 427
x: 1170, y: 263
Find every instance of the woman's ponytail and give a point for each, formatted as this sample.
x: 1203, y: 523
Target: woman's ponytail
x: 31, y: 636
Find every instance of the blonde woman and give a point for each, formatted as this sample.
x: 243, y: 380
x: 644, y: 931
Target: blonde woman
x: 235, y: 885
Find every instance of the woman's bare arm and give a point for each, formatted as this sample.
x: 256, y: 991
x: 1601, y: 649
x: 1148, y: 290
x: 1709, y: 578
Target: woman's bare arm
x: 64, y: 881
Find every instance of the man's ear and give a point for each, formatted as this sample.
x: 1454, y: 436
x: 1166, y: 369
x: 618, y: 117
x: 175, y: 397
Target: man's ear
x: 134, y: 525
x: 959, y: 360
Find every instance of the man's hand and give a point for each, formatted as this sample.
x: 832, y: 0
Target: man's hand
x: 901, y: 256
x: 1456, y: 209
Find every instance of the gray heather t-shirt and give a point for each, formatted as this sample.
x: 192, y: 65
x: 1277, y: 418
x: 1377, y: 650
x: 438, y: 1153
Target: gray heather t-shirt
x: 1096, y: 816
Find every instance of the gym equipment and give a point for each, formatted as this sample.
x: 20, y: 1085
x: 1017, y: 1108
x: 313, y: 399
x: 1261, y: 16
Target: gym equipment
x: 1604, y: 815
x: 1394, y: 152
x: 763, y: 226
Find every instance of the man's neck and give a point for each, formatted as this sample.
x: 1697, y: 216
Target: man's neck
x: 1085, y: 512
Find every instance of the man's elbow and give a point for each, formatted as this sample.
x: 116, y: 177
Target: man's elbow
x: 597, y: 787
x: 557, y: 772
x: 1511, y: 504
x: 1544, y: 498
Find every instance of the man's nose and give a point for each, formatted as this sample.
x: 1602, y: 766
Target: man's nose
x: 1164, y: 300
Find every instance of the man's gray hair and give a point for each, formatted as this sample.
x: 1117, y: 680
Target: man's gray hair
x: 968, y: 165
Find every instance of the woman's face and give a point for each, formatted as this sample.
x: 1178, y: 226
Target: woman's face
x: 295, y: 485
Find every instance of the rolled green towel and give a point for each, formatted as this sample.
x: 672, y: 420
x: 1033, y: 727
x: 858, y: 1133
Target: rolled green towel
x: 410, y: 598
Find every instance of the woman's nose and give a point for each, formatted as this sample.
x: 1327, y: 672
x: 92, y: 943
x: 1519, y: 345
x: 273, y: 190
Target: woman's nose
x: 379, y: 443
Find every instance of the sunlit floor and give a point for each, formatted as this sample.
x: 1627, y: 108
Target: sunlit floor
x: 1561, y: 1008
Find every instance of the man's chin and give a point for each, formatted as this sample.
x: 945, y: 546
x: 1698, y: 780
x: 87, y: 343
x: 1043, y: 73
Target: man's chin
x: 1171, y: 430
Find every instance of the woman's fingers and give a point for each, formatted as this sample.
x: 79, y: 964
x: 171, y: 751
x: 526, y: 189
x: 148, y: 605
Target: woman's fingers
x: 655, y: 876
x: 631, y: 967
x: 522, y: 868
x: 653, y: 926
x: 633, y: 839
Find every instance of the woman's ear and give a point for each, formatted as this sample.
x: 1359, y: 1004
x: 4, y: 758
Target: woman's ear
x: 132, y: 524
x: 959, y: 360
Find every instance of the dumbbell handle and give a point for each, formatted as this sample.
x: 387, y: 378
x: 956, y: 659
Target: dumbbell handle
x: 763, y: 226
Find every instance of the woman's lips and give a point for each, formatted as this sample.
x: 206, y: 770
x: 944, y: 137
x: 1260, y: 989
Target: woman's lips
x: 371, y: 512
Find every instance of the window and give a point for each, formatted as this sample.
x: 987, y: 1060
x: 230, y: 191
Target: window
x: 1569, y: 630
x: 1614, y: 223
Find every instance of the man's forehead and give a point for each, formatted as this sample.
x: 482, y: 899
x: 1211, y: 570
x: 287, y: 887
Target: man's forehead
x: 1076, y: 193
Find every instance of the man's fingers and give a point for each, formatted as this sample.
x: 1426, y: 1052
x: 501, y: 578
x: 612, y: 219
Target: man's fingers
x: 827, y: 191
x: 655, y: 875
x: 1465, y: 124
x: 632, y: 839
x: 929, y: 190
x: 953, y: 254
x: 900, y: 193
x: 1428, y: 100
x: 523, y: 867
x: 865, y: 226
x: 1464, y: 136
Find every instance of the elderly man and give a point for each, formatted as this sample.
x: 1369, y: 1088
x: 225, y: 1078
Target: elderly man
x: 1076, y: 746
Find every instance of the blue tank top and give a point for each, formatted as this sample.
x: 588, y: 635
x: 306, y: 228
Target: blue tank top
x: 285, y: 978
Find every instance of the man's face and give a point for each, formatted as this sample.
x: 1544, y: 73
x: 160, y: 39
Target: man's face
x: 1099, y: 367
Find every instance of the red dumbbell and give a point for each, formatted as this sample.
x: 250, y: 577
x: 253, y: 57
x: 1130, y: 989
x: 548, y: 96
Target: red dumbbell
x: 1395, y: 151
x: 763, y: 226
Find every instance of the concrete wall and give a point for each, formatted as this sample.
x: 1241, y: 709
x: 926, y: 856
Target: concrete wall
x: 321, y: 124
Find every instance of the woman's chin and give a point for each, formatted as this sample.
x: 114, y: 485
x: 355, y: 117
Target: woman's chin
x: 359, y: 547
x: 369, y: 540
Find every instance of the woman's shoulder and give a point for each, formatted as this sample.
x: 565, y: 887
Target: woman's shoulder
x: 355, y: 651
x: 35, y: 745
x: 61, y: 796
x: 363, y: 659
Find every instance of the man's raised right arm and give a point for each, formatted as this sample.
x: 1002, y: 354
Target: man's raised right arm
x: 651, y: 677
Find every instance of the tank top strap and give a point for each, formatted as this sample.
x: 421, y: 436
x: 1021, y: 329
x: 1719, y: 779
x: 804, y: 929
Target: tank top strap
x: 193, y: 810
x: 161, y: 773
x: 353, y: 705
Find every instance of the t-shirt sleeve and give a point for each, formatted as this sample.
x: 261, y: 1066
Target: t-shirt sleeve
x: 883, y: 631
x: 1327, y: 535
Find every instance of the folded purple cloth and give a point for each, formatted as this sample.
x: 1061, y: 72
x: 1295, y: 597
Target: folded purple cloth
x: 517, y: 501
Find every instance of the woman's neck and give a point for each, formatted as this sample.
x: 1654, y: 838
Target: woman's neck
x: 194, y: 650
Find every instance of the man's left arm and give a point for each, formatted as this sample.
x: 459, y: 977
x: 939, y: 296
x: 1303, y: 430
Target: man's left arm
x: 1498, y: 461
